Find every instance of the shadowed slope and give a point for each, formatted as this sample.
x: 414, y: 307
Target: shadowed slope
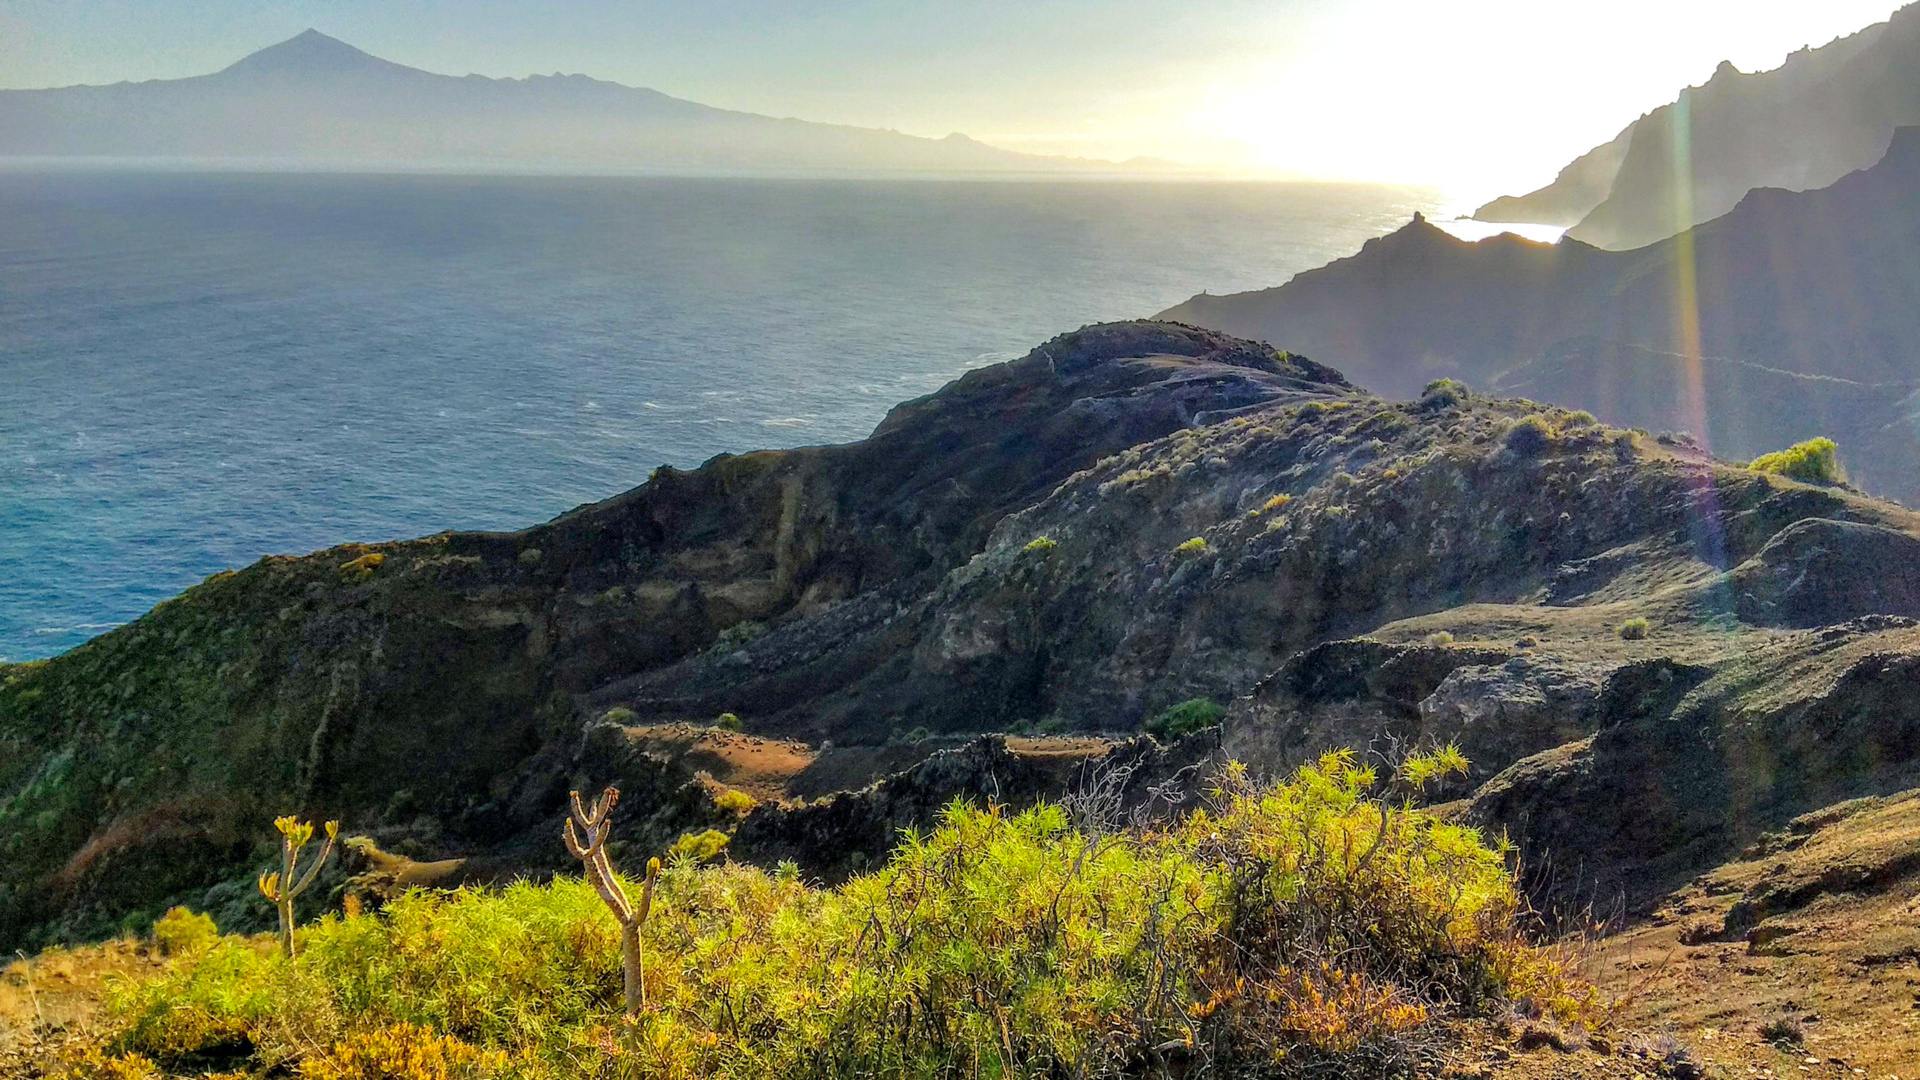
x: 1806, y: 306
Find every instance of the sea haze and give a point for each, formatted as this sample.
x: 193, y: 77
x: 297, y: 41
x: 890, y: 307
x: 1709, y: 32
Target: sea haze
x: 200, y: 369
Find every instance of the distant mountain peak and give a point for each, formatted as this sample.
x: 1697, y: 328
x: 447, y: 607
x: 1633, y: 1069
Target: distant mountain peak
x: 309, y: 53
x: 315, y: 98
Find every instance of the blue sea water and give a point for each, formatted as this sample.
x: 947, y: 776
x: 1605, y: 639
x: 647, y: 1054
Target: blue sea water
x: 197, y: 369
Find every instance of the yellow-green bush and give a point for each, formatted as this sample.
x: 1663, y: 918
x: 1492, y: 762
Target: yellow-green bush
x: 362, y: 568
x: 1815, y: 461
x: 1195, y: 546
x: 1289, y: 926
x: 700, y: 846
x: 1272, y: 504
x: 404, y: 1052
x: 182, y: 931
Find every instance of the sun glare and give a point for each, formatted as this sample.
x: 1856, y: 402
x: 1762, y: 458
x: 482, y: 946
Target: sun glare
x: 1497, y: 95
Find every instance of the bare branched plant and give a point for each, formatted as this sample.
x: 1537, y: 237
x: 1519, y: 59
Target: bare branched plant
x: 589, y: 845
x: 1103, y: 802
x: 26, y: 972
x: 281, y: 887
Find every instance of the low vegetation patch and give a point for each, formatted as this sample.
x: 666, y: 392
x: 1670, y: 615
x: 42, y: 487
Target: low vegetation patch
x: 1635, y: 629
x: 1531, y: 434
x: 738, y: 636
x: 1289, y: 928
x: 1041, y: 545
x: 1194, y: 714
x: 1444, y: 394
x: 362, y: 568
x: 1816, y: 461
x: 1195, y: 546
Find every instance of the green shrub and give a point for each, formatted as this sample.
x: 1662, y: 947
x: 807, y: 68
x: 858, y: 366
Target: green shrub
x: 1530, y: 435
x: 620, y: 714
x: 1444, y: 394
x: 727, y: 721
x: 1195, y: 546
x: 1194, y: 714
x: 738, y: 636
x: 1815, y: 461
x: 1635, y: 629
x: 735, y: 801
x: 1441, y: 638
x: 1298, y: 923
x: 1041, y: 545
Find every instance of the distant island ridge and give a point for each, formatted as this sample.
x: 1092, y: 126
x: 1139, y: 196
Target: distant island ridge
x: 316, y: 101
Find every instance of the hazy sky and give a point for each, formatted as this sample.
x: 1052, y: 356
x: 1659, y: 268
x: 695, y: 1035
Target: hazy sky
x: 1480, y: 96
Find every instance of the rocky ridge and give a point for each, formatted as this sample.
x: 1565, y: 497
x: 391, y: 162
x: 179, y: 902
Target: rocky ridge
x: 1790, y: 317
x: 1129, y: 517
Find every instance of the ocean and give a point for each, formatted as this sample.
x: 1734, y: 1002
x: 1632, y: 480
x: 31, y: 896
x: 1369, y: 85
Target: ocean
x: 198, y: 369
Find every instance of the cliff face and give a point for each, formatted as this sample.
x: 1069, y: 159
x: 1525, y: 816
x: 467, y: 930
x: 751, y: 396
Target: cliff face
x: 1824, y: 113
x: 1792, y: 316
x: 1131, y: 516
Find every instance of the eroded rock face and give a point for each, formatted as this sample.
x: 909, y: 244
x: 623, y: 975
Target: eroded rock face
x: 1817, y: 572
x: 1127, y: 518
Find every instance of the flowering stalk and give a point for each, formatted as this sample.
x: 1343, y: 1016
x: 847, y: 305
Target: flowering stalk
x: 280, y: 886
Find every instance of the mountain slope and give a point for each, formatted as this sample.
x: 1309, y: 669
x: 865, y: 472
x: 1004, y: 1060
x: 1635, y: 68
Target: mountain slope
x: 1806, y: 306
x: 1219, y: 520
x: 1822, y: 114
x: 316, y: 100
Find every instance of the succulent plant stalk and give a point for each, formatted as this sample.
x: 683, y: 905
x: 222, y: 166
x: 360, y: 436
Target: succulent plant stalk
x: 280, y: 887
x: 594, y: 827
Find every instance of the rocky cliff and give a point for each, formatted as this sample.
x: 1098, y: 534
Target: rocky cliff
x: 1129, y: 517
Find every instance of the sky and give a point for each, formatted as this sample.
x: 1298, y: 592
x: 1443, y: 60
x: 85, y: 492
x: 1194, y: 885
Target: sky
x: 1477, y: 97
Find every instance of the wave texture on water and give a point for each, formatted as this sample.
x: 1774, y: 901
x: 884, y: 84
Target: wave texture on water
x: 200, y: 369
